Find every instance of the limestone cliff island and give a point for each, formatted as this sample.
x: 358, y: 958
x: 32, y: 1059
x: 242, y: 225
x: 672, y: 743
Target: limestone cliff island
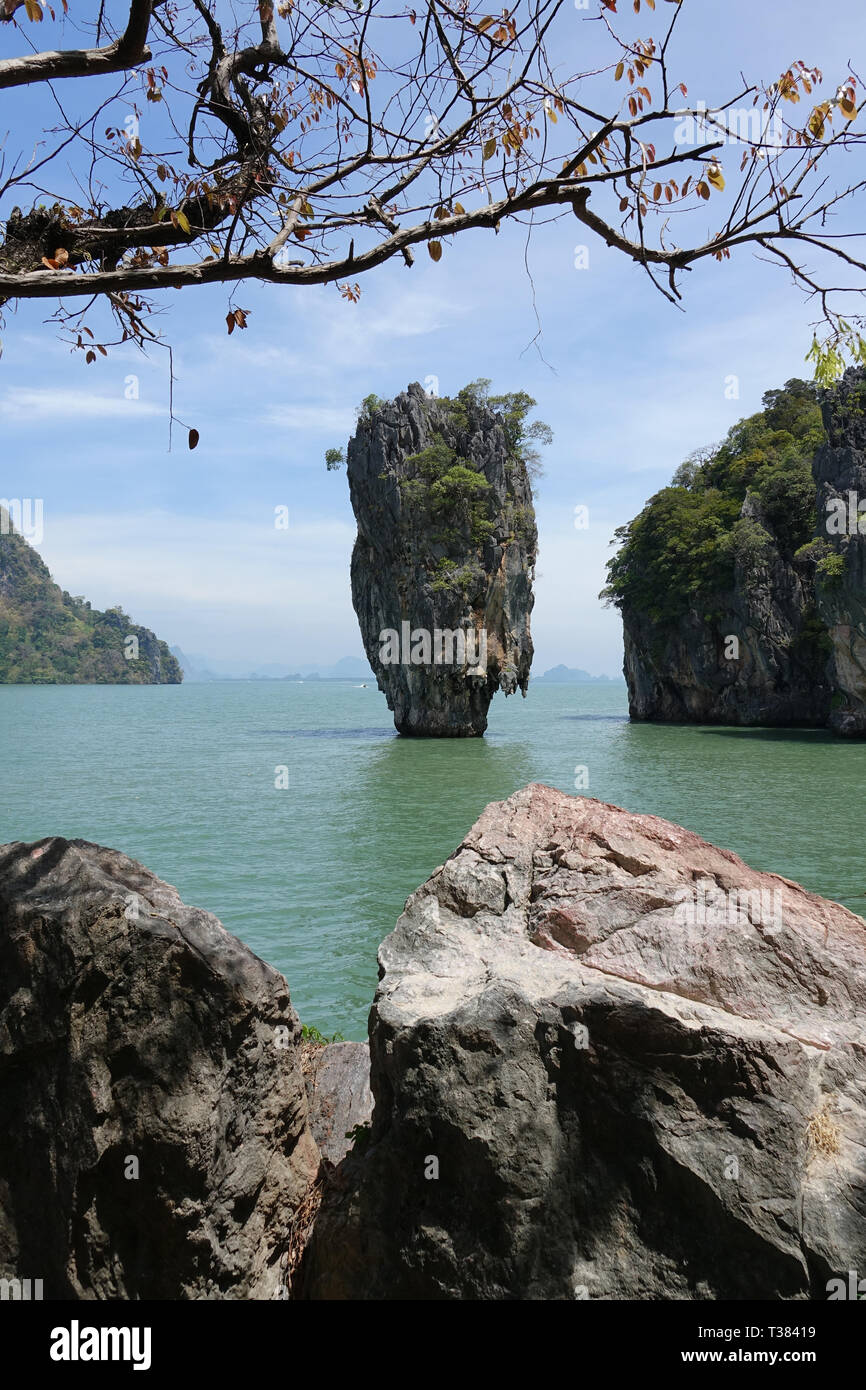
x: 742, y: 586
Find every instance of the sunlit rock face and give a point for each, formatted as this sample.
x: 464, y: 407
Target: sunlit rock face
x: 442, y: 567
x: 609, y: 1061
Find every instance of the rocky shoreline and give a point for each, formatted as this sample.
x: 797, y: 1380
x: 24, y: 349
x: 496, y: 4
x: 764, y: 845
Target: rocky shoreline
x: 608, y: 1059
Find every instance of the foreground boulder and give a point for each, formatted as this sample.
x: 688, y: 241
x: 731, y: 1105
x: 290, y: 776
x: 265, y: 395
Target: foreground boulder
x: 609, y: 1061
x: 155, y: 1139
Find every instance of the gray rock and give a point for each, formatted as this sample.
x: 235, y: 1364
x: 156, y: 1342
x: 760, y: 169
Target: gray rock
x: 340, y: 1099
x: 395, y: 574
x: 609, y: 1060
x: 682, y: 677
x: 155, y: 1141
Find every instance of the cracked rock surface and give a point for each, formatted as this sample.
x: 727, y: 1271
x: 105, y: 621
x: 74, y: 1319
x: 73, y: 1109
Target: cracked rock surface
x: 609, y: 1060
x: 338, y: 1093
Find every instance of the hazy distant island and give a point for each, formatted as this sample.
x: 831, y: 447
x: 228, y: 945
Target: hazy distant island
x: 50, y: 637
x: 573, y: 675
x: 196, y: 668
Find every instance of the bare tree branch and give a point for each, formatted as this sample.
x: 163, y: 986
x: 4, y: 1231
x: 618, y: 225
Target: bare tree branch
x: 274, y: 143
x: 129, y: 51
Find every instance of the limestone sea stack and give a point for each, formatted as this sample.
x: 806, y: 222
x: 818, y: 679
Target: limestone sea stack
x: 443, y: 562
x: 609, y: 1061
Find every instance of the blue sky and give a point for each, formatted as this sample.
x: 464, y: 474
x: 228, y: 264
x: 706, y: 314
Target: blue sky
x: 186, y: 541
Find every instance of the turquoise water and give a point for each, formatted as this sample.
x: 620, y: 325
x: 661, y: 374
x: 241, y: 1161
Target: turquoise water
x: 312, y: 877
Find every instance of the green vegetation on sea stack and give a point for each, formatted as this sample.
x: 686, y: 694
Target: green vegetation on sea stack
x: 449, y: 506
x: 683, y: 548
x: 49, y: 637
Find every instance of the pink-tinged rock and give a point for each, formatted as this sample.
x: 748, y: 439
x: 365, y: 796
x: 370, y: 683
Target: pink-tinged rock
x: 609, y: 1060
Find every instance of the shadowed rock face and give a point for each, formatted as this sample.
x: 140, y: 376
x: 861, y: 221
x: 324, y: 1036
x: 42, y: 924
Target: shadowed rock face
x: 609, y: 1060
x: 681, y: 677
x: 155, y: 1141
x: 338, y: 1091
x: 802, y: 641
x: 435, y: 575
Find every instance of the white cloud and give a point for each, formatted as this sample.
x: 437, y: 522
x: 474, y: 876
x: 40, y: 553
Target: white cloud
x: 312, y: 419
x: 190, y: 578
x: 248, y: 353
x: 353, y: 337
x: 413, y: 313
x: 29, y: 404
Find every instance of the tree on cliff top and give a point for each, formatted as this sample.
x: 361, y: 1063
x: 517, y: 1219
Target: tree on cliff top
x: 308, y: 142
x: 681, y: 549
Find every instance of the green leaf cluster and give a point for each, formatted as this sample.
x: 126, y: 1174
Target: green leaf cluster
x: 447, y: 497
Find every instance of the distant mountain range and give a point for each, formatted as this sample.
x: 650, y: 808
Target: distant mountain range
x: 349, y: 668
x: 572, y: 675
x: 49, y: 637
x: 200, y: 668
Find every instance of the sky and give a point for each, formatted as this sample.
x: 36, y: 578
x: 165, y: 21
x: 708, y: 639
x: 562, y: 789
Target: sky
x: 186, y: 542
